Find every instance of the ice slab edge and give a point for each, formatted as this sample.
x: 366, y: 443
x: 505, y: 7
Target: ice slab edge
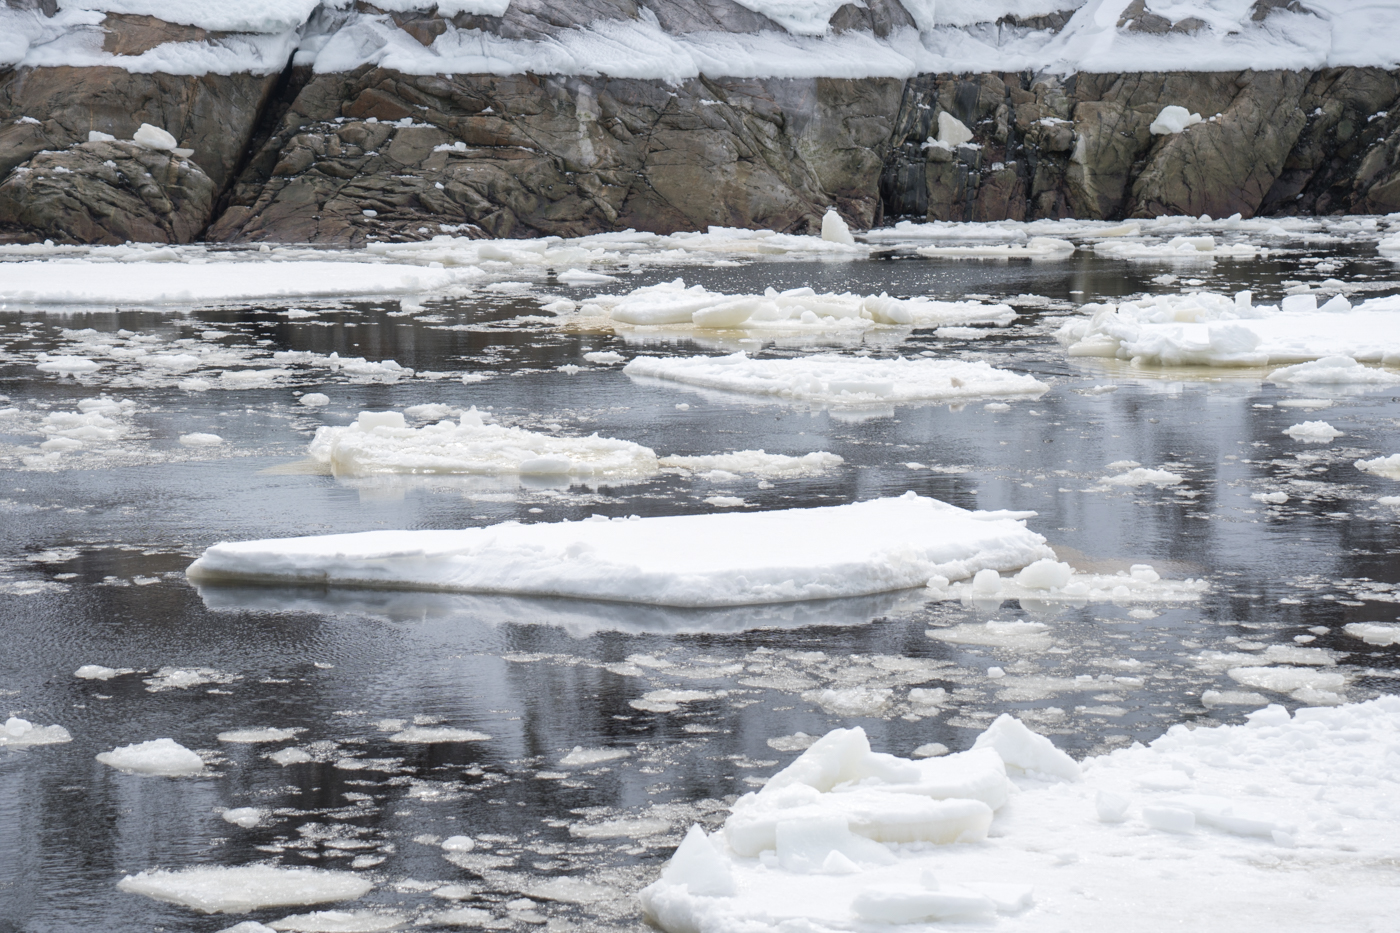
x: 724, y: 559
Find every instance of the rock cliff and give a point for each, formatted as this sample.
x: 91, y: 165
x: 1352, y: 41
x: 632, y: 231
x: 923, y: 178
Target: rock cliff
x: 291, y: 151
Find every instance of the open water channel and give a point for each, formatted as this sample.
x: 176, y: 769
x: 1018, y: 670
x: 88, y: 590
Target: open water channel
x: 705, y: 704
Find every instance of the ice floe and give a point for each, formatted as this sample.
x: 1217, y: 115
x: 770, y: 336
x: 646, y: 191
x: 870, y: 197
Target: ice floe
x: 1047, y: 581
x: 1374, y: 633
x: 756, y: 462
x: 381, y: 442
x: 1039, y: 247
x: 21, y: 733
x: 259, y: 734
x: 1209, y: 329
x: 1382, y: 466
x: 845, y: 838
x: 1313, y: 432
x: 722, y: 559
x: 674, y: 307
x: 840, y: 381
x: 240, y: 889
x: 161, y: 757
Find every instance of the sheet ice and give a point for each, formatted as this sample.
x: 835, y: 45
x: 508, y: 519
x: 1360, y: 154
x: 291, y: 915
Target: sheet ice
x: 723, y: 559
x: 381, y: 442
x: 1214, y: 330
x: 1272, y: 825
x: 673, y: 306
x: 241, y: 889
x: 166, y: 280
x: 832, y: 379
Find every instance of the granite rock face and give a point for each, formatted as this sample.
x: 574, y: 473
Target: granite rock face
x: 337, y: 159
x: 109, y: 193
x: 386, y: 154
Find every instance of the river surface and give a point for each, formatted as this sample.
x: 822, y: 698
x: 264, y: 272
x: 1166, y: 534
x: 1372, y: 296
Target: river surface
x: 706, y: 704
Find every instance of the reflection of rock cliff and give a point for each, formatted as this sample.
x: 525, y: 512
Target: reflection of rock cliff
x: 386, y: 149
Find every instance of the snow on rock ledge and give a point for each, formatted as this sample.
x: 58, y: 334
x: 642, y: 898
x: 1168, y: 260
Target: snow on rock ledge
x: 1203, y: 823
x: 724, y: 559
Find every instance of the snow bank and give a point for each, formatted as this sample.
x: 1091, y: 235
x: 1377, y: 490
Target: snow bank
x: 21, y: 733
x: 1222, y: 827
x: 252, y: 887
x: 162, y: 757
x: 674, y: 306
x: 1213, y: 330
x: 89, y: 282
x: 380, y: 442
x: 842, y: 381
x: 723, y: 559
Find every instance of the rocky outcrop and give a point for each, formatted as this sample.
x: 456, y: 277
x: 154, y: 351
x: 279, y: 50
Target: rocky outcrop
x: 339, y: 159
x: 108, y: 193
x: 382, y: 154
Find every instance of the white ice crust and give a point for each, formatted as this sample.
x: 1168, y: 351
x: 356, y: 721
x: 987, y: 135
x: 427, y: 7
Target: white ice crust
x: 21, y: 733
x: 1213, y: 330
x: 241, y: 889
x: 1228, y: 828
x: 674, y: 307
x: 160, y: 757
x: 840, y: 381
x: 722, y: 559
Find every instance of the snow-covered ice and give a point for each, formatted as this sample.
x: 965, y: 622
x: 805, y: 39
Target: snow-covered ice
x: 240, y: 889
x: 161, y: 757
x: 674, y: 307
x: 756, y: 462
x: 1209, y: 329
x: 259, y: 734
x: 840, y: 381
x: 381, y: 442
x: 1313, y: 432
x: 1039, y: 247
x: 1382, y: 466
x: 1228, y: 828
x: 722, y: 559
x: 582, y: 757
x: 1050, y: 581
x: 21, y: 733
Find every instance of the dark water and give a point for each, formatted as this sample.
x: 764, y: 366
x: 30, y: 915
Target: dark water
x: 93, y: 558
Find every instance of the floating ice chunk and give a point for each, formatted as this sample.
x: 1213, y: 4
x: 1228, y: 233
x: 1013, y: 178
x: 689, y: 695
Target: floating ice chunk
x: 201, y: 440
x: 668, y: 701
x: 153, y: 137
x: 1313, y: 432
x: 263, y: 734
x: 380, y: 442
x: 1173, y: 120
x: 1287, y: 679
x: 725, y: 502
x: 1039, y: 247
x: 1332, y: 370
x: 1142, y: 476
x: 98, y: 672
x: 758, y: 462
x: 162, y: 757
x: 834, y: 229
x: 238, y: 890
x: 341, y: 921
x: 435, y: 735
x: 1212, y: 699
x: 458, y: 844
x: 851, y: 701
x: 247, y: 817
x: 579, y: 277
x: 952, y: 132
x: 1374, y: 633
x: 1044, y: 574
x: 931, y: 750
x: 1382, y: 466
x: 290, y: 756
x: 21, y: 733
x: 604, y: 357
x: 1015, y: 634
x: 175, y: 678
x: 585, y: 757
x: 727, y: 559
x: 68, y: 365
x: 315, y: 399
x: 1023, y: 749
x: 1272, y: 498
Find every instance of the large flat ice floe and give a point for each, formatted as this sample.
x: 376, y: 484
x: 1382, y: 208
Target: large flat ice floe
x: 86, y: 282
x: 671, y: 306
x: 252, y: 887
x: 381, y: 442
x: 1214, y: 330
x: 1281, y: 824
x: 725, y: 559
x: 840, y: 381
